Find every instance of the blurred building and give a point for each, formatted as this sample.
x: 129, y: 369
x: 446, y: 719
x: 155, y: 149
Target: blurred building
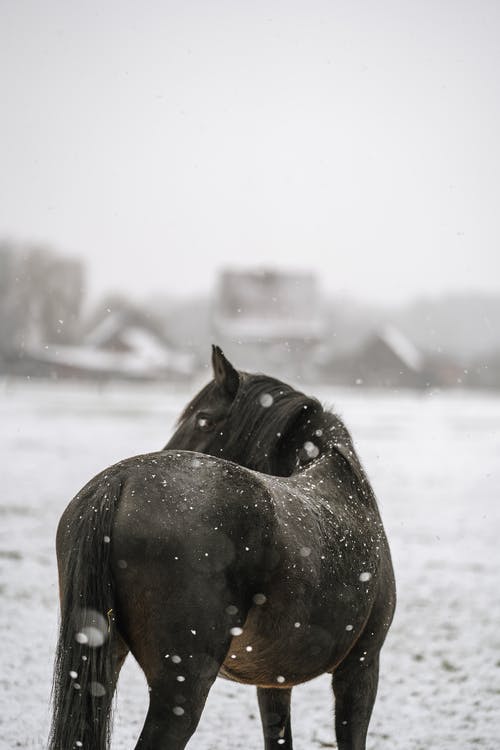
x: 484, y: 371
x: 137, y: 346
x: 269, y: 320
x: 387, y: 358
x: 125, y: 345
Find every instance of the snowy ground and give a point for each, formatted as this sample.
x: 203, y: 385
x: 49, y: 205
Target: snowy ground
x: 435, y: 463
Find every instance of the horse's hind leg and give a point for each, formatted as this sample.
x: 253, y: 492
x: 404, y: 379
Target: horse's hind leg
x: 175, y: 707
x: 180, y: 646
x: 355, y: 681
x: 355, y: 688
x: 274, y: 705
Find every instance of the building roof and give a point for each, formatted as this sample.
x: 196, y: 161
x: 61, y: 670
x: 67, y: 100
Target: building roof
x: 125, y: 343
x: 91, y: 360
x: 402, y: 347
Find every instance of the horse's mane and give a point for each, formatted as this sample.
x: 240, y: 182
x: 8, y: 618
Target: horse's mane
x: 265, y: 413
x: 256, y: 434
x: 262, y: 412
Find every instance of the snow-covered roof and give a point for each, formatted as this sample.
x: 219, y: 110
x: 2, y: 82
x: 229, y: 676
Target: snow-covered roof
x: 132, y: 327
x: 402, y: 347
x: 106, y: 328
x: 135, y: 363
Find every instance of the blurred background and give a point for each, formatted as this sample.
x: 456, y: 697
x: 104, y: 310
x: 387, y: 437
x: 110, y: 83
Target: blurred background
x: 312, y: 186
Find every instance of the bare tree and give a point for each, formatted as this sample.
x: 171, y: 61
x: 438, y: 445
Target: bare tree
x: 40, y: 298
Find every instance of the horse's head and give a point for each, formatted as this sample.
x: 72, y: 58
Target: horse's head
x: 253, y: 420
x: 202, y: 425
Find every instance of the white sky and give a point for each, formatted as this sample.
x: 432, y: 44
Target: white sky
x: 163, y: 140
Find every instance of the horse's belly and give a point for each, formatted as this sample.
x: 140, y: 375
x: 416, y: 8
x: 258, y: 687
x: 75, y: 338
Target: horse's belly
x: 284, y: 658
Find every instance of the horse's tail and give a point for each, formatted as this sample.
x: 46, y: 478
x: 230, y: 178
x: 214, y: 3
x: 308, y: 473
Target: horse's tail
x: 85, y: 669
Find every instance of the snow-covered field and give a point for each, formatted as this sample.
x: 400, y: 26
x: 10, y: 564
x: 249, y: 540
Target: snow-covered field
x: 435, y: 463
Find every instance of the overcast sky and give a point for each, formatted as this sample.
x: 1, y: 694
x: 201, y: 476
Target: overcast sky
x: 163, y: 140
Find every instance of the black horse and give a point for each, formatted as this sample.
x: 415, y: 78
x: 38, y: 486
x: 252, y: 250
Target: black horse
x: 202, y: 566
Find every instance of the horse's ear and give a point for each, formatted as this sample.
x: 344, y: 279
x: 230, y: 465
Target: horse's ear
x: 225, y: 375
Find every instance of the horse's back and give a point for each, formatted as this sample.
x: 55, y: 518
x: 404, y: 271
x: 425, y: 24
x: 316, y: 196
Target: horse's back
x: 176, y: 494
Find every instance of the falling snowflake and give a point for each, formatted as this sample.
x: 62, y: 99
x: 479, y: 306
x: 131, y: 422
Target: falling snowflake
x: 97, y: 690
x: 259, y: 599
x: 311, y: 449
x: 266, y: 400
